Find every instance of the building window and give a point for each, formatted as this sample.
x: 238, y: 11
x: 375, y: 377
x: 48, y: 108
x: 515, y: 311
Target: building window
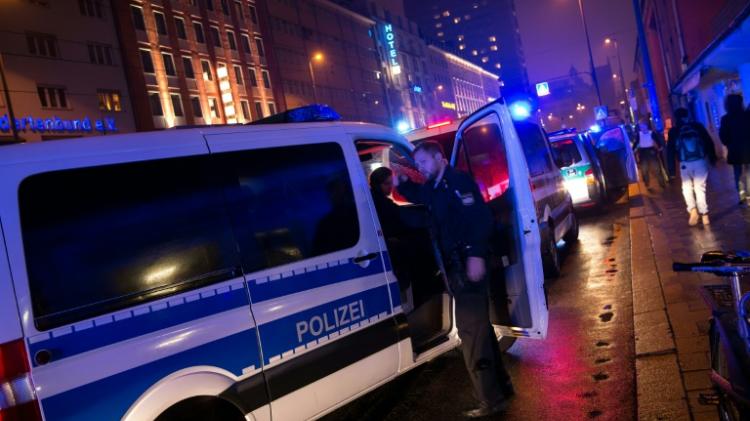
x: 161, y: 23
x: 225, y: 7
x: 271, y: 108
x: 246, y: 43
x: 238, y: 75
x: 42, y: 45
x: 199, y: 36
x: 91, y: 8
x: 259, y: 44
x: 213, y: 104
x: 197, y: 108
x: 168, y: 64
x: 100, y: 53
x: 187, y: 63
x: 180, y: 25
x: 52, y: 97
x: 253, y: 15
x: 177, y: 105
x: 137, y: 14
x: 215, y: 37
x: 148, y: 64
x: 245, y: 110
x: 109, y: 100
x: 206, y: 67
x: 239, y: 11
x: 253, y: 76
x: 232, y: 40
x: 266, y: 79
x: 155, y: 102
x: 259, y: 109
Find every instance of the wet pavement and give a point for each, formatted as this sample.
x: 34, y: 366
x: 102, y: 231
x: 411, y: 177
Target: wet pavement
x: 585, y: 367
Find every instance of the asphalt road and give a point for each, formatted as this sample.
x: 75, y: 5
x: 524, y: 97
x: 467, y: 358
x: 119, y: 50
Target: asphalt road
x: 585, y: 367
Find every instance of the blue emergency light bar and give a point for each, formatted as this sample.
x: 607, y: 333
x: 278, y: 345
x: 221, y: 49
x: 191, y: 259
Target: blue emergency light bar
x: 570, y: 130
x: 306, y: 114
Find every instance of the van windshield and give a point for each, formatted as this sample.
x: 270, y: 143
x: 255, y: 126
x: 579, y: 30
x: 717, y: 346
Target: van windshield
x: 566, y: 153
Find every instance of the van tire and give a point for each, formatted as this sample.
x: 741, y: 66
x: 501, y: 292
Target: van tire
x: 571, y: 237
x: 550, y: 255
x: 202, y: 408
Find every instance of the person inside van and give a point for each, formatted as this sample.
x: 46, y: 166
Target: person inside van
x: 381, y: 187
x: 329, y: 235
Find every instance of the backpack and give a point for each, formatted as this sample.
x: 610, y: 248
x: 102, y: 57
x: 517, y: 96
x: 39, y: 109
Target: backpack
x: 689, y: 144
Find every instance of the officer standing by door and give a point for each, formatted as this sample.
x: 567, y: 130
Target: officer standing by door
x: 462, y: 223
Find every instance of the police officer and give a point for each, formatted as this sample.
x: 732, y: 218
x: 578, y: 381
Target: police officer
x: 462, y: 223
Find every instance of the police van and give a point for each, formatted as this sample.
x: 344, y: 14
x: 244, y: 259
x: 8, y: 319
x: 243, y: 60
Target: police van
x: 230, y: 273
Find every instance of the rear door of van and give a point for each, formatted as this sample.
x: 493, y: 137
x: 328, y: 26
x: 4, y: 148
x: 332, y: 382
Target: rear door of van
x: 488, y: 147
x: 315, y: 272
x: 127, y: 276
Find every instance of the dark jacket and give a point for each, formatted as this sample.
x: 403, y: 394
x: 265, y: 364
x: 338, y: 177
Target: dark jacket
x: 462, y: 221
x: 708, y: 144
x: 735, y: 135
x: 389, y: 214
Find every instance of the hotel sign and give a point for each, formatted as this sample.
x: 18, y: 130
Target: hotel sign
x: 58, y: 125
x: 390, y: 46
x: 448, y: 105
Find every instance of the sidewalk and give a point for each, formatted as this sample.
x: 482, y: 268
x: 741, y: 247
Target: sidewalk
x: 670, y: 318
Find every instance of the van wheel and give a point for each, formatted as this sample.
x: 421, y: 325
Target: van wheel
x: 572, y: 235
x: 202, y: 408
x: 551, y: 256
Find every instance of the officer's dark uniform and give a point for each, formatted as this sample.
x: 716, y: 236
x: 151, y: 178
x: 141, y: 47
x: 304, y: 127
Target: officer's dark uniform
x: 462, y: 223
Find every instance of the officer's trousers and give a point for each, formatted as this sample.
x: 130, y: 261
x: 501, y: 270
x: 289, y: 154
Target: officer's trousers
x: 478, y: 341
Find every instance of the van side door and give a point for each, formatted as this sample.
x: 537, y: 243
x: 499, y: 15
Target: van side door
x: 314, y: 269
x: 488, y: 147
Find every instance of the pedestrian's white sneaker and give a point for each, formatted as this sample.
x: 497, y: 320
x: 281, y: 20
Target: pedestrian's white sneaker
x: 705, y: 219
x: 694, y: 217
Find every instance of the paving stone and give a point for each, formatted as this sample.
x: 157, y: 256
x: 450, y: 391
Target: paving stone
x: 694, y: 361
x: 697, y: 380
x: 652, y: 333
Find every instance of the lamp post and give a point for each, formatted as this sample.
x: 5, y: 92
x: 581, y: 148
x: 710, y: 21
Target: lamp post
x: 591, y: 54
x: 318, y: 58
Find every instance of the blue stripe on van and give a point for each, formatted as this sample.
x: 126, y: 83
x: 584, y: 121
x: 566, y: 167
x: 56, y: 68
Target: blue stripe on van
x: 81, y: 341
x: 96, y: 337
x: 282, y: 335
x: 110, y: 398
x: 269, y: 290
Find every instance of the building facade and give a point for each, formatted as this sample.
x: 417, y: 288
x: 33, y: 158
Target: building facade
x: 700, y: 53
x: 463, y: 27
x: 197, y: 62
x: 63, y: 80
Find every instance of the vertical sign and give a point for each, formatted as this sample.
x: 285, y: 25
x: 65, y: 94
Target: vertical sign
x: 390, y: 44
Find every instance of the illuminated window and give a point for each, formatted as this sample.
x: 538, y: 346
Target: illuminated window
x: 206, y: 67
x: 493, y: 47
x: 446, y: 13
x: 474, y: 52
x: 485, y: 59
x: 440, y: 34
x: 498, y: 65
x: 461, y: 47
x: 460, y: 37
x: 109, y: 100
x: 456, y: 20
x: 438, y: 25
x: 493, y: 39
x: 213, y: 104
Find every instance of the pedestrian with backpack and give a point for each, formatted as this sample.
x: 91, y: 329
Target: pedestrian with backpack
x: 691, y: 144
x: 735, y: 135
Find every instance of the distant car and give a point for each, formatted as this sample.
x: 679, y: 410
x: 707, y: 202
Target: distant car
x: 615, y: 153
x: 554, y: 207
x: 575, y: 155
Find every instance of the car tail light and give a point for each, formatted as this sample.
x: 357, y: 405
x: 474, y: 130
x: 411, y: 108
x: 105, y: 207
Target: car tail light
x: 17, y: 396
x: 590, y: 176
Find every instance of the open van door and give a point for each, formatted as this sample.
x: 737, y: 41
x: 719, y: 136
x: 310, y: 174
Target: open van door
x: 488, y: 147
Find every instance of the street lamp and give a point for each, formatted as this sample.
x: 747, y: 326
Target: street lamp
x: 591, y: 54
x: 318, y: 57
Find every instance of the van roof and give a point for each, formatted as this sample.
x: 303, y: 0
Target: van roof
x: 190, y: 137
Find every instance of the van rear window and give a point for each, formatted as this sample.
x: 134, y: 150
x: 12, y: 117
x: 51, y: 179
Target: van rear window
x: 104, y: 238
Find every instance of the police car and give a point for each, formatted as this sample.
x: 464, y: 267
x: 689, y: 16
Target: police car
x: 229, y: 273
x: 576, y: 157
x: 552, y: 202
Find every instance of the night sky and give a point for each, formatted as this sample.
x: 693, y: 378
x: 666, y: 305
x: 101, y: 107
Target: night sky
x: 554, y: 40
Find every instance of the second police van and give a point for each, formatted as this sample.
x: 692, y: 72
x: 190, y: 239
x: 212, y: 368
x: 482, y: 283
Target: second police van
x: 235, y: 272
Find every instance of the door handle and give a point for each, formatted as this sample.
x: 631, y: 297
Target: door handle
x: 366, y: 257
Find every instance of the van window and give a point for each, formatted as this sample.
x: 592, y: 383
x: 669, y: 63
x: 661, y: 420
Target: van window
x: 483, y: 145
x: 534, y: 148
x: 104, y: 238
x: 290, y: 203
x: 566, y: 153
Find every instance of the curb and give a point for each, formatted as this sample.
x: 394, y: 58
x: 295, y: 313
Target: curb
x: 659, y: 383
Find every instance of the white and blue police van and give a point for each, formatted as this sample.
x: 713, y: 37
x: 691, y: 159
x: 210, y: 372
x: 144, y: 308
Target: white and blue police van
x: 233, y: 272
